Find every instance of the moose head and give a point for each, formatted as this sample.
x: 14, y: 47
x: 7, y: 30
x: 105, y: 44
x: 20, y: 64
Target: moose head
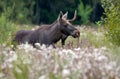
x: 66, y: 27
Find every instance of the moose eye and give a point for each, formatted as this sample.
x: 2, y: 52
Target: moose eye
x: 65, y: 25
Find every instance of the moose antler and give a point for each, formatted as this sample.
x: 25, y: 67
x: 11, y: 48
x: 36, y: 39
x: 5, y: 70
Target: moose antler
x: 65, y: 15
x: 60, y: 15
x: 74, y: 16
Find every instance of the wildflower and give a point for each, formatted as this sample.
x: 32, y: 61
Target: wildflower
x: 65, y: 72
x: 77, y: 49
x: 13, y: 57
x: 43, y: 47
x: 27, y: 61
x: 1, y: 75
x: 37, y: 45
x: 104, y: 48
x: 102, y: 58
x: 18, y: 70
x: 42, y: 77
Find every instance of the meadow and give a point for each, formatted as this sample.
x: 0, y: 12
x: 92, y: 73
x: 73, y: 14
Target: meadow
x: 95, y: 55
x: 92, y: 57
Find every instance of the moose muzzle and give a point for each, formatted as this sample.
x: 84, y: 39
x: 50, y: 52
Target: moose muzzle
x: 76, y: 34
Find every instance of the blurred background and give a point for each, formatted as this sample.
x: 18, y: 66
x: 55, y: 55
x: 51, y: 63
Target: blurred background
x: 46, y: 11
x: 15, y: 14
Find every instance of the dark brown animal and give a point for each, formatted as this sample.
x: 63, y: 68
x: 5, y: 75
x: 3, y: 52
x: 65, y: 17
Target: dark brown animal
x: 49, y: 34
x: 21, y: 35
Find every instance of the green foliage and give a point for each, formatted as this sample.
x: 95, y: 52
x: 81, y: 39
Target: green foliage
x: 12, y: 11
x: 46, y: 11
x: 19, y: 11
x: 112, y: 20
x: 20, y: 75
x: 23, y: 11
x: 53, y: 76
x: 20, y: 70
x: 84, y: 12
x: 6, y: 29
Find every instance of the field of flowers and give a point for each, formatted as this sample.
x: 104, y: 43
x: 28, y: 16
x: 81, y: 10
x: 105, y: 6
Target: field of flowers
x: 86, y: 60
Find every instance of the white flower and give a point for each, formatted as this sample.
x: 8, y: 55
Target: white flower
x: 42, y: 77
x: 64, y: 50
x: 104, y: 48
x: 13, y: 57
x: 65, y: 72
x: 96, y: 50
x: 4, y: 65
x: 102, y: 58
x: 71, y: 52
x: 1, y: 75
x: 43, y: 47
x: 37, y: 44
x: 27, y: 61
x: 50, y: 47
x: 77, y: 49
x: 18, y: 70
x: 12, y: 46
x: 56, y: 68
x: 33, y: 29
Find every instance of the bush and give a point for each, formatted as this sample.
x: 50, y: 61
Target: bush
x: 112, y: 20
x: 6, y: 29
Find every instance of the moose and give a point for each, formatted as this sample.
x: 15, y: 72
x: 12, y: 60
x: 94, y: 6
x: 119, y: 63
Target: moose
x: 49, y: 34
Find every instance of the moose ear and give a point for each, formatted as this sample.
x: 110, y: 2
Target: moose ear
x: 65, y: 15
x: 60, y: 15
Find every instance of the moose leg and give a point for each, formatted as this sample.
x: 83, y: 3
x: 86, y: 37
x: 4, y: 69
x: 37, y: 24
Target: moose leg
x: 64, y: 37
x: 53, y: 45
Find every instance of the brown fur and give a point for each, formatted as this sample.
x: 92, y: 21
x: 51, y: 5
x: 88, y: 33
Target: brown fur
x: 48, y: 34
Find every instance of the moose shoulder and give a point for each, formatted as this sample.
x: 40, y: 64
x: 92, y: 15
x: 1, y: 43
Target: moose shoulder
x: 49, y: 34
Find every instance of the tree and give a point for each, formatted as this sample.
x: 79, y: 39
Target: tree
x: 84, y: 12
x: 112, y: 20
x: 18, y: 11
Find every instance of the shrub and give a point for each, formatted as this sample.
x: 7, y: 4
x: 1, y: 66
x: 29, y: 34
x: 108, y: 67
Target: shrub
x: 112, y: 20
x: 6, y: 28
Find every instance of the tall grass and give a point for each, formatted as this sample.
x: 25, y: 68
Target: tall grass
x: 49, y: 63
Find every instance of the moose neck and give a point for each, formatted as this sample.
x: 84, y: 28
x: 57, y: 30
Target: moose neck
x: 55, y: 26
x: 55, y: 31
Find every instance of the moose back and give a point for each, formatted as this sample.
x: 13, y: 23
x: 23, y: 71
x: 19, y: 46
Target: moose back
x: 49, y: 34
